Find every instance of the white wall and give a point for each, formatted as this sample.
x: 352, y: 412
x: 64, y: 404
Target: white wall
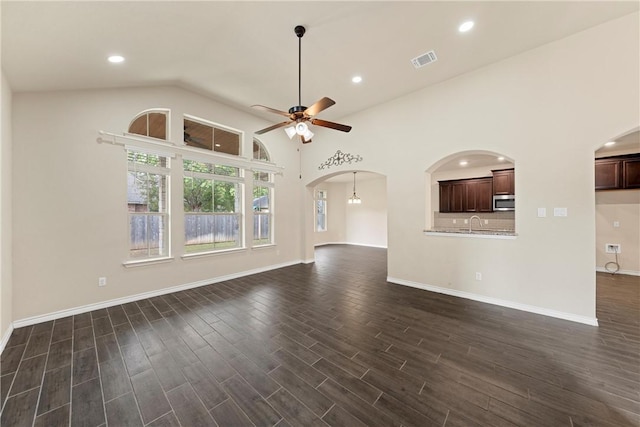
x: 548, y: 109
x: 70, y: 218
x: 622, y: 206
x: 6, y: 284
x: 366, y: 223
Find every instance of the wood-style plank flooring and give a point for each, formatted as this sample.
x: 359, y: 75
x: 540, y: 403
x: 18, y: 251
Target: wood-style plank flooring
x: 330, y: 343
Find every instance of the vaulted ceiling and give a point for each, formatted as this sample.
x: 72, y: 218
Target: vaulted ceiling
x: 243, y: 53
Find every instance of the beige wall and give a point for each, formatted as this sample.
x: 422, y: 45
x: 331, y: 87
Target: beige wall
x: 622, y: 206
x: 70, y: 219
x: 335, y: 214
x: 548, y: 109
x: 366, y: 223
x: 6, y: 285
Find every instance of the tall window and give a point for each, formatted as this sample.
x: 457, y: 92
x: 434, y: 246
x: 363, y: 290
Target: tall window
x: 262, y: 199
x: 148, y: 205
x: 212, y: 207
x: 199, y: 133
x: 321, y: 210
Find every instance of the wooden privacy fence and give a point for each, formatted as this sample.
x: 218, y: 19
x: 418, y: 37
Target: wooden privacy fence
x: 145, y: 230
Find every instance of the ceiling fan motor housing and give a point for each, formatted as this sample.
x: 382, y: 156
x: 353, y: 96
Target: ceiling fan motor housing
x: 297, y: 109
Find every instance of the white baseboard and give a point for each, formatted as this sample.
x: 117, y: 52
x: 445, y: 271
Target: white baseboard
x: 592, y: 321
x: 351, y: 243
x: 5, y: 339
x: 109, y: 303
x: 627, y: 272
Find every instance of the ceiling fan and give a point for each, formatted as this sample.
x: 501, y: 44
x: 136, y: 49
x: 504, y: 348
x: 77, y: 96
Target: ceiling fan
x: 298, y: 114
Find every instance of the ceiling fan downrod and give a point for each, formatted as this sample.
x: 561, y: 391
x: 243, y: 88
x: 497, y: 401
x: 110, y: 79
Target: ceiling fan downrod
x: 300, y: 30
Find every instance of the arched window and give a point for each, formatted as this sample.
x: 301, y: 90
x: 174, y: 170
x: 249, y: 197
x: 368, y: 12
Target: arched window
x: 151, y: 123
x: 259, y: 152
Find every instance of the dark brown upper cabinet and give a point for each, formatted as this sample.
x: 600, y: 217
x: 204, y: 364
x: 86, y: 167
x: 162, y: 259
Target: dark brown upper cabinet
x: 631, y: 173
x: 617, y: 172
x: 503, y: 182
x: 466, y: 195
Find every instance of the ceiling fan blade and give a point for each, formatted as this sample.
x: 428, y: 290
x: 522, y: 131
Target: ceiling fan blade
x: 270, y: 128
x: 332, y: 125
x: 271, y: 110
x: 323, y: 104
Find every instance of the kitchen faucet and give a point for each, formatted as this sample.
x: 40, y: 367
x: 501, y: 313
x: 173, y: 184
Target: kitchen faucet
x: 471, y: 221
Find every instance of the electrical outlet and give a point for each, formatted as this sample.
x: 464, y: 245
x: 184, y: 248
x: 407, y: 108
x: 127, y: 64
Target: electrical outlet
x: 102, y: 281
x: 612, y: 248
x: 616, y: 224
x: 478, y: 276
x: 454, y: 221
x: 486, y: 221
x: 466, y: 221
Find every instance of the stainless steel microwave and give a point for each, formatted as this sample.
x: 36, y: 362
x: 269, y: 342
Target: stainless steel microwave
x: 505, y: 202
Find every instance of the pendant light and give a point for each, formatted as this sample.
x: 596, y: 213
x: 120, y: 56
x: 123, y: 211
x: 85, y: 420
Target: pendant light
x: 354, y: 200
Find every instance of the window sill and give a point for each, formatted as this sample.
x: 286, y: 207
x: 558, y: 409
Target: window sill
x: 260, y: 247
x: 143, y: 262
x: 212, y: 253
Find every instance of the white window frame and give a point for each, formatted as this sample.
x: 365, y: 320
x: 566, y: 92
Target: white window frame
x: 239, y: 213
x: 269, y: 214
x: 317, y: 198
x: 165, y: 231
x: 216, y: 126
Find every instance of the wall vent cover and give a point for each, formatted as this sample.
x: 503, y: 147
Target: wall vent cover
x: 424, y: 59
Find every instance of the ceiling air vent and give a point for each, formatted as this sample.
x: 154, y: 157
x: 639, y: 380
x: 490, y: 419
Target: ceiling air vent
x: 424, y: 59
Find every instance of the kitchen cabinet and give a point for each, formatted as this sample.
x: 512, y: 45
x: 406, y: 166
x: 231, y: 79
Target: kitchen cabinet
x: 617, y: 172
x: 631, y: 173
x: 466, y: 195
x: 503, y: 182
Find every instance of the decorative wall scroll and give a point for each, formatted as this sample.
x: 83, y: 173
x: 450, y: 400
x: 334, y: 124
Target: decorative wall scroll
x: 340, y: 158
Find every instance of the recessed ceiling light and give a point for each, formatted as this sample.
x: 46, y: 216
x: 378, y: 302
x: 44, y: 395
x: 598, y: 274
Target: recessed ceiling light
x: 609, y: 144
x: 116, y: 59
x: 463, y: 163
x: 501, y: 159
x: 356, y: 79
x: 465, y: 26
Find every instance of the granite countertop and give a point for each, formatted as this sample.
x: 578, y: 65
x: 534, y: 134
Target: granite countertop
x: 464, y: 232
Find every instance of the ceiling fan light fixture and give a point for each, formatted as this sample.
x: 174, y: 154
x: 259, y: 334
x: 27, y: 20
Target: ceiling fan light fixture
x: 291, y: 131
x: 307, y: 136
x: 301, y: 128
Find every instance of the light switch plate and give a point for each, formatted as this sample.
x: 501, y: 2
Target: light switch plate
x: 542, y: 212
x: 560, y: 212
x: 616, y: 224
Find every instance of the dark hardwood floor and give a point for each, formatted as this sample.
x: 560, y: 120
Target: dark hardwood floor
x: 326, y: 344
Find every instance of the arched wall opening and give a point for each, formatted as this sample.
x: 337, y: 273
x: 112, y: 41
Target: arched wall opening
x: 335, y: 220
x: 617, y: 204
x: 468, y: 183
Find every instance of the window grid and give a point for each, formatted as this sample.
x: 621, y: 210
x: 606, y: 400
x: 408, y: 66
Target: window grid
x: 321, y: 210
x: 212, y: 207
x: 148, y: 205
